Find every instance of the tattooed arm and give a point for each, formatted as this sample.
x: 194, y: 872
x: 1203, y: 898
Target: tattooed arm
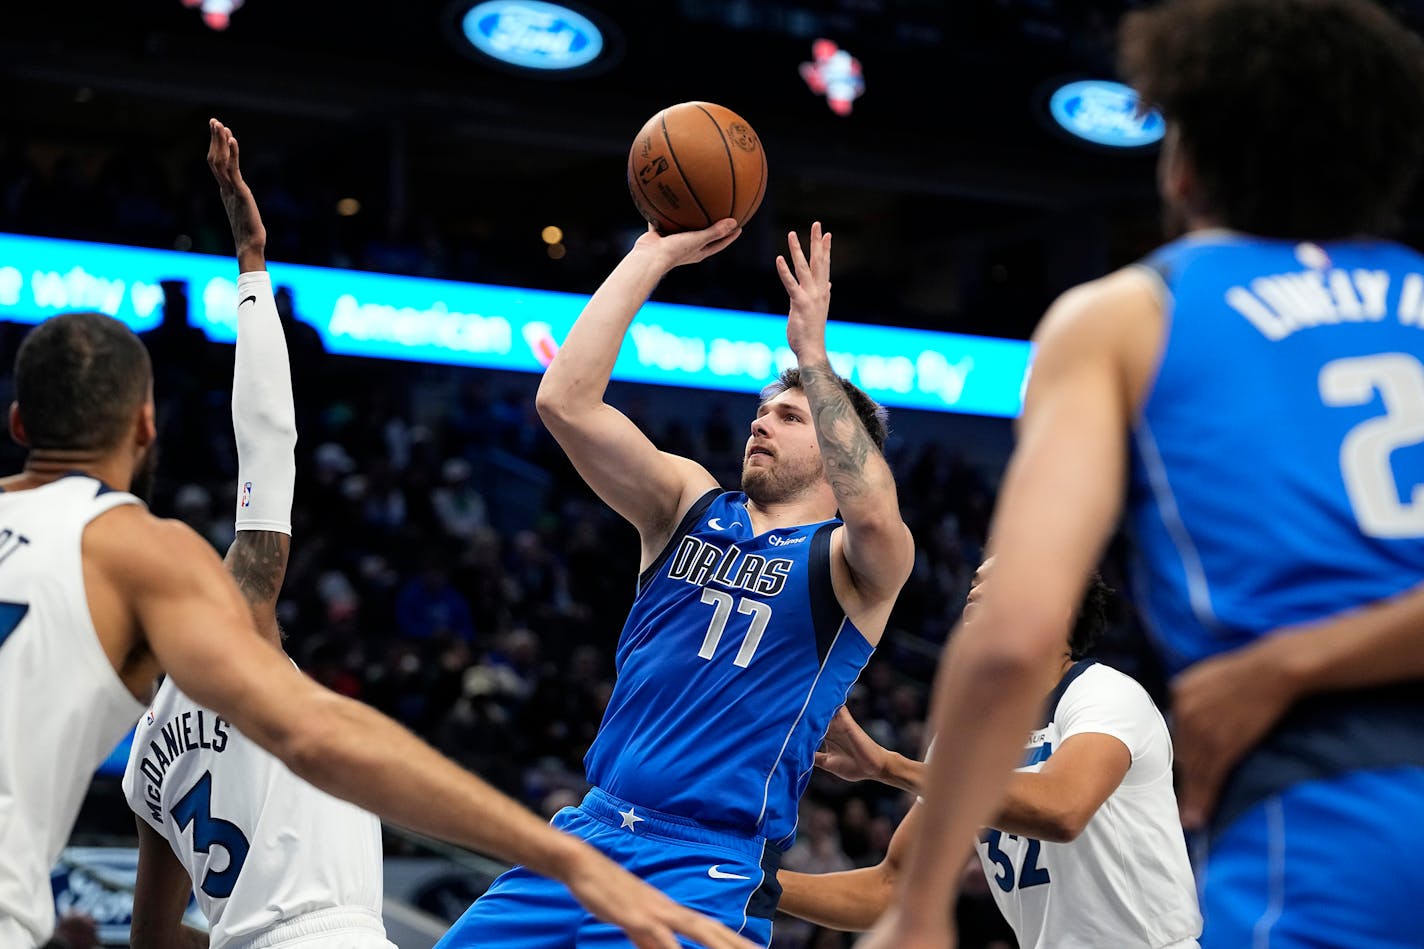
x: 258, y: 561
x: 877, y: 545
x: 263, y: 415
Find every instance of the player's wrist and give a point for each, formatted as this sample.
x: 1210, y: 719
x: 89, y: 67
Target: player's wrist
x: 252, y: 257
x: 1290, y: 664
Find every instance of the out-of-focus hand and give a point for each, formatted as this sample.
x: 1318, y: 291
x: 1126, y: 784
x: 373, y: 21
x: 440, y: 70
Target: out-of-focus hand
x: 75, y: 931
x: 648, y: 917
x: 688, y: 247
x: 1221, y: 708
x: 808, y: 284
x: 248, y: 233
x: 849, y: 753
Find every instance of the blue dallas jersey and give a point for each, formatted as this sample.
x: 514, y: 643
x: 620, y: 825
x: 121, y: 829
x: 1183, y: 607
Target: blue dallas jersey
x: 734, y: 657
x: 1278, y: 467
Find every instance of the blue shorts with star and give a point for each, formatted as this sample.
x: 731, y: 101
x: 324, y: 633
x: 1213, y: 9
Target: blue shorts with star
x: 729, y: 877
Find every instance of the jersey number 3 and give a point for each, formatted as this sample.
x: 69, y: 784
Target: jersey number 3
x: 1365, y: 453
x: 10, y: 616
x: 196, y: 808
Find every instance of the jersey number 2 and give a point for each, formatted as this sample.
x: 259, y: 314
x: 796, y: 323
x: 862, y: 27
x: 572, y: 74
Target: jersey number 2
x: 1365, y: 452
x: 196, y: 808
x: 721, y: 604
x: 1032, y: 875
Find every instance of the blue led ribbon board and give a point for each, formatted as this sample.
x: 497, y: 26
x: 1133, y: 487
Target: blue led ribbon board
x: 509, y: 328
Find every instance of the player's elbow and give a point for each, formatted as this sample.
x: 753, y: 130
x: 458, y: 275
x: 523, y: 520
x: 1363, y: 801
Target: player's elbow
x: 1062, y: 828
x: 557, y: 402
x: 1062, y: 820
x: 306, y: 742
x: 550, y: 402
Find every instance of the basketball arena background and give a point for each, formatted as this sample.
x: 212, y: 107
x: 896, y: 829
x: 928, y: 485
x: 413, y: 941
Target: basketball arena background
x: 443, y: 184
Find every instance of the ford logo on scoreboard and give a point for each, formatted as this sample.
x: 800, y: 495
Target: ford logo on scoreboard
x: 1106, y: 113
x: 531, y: 34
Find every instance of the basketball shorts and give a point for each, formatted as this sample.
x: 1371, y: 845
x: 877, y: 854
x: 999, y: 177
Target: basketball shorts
x: 1326, y: 864
x: 727, y: 877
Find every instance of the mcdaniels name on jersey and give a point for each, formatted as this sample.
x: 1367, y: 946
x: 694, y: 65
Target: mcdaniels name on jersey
x: 189, y: 731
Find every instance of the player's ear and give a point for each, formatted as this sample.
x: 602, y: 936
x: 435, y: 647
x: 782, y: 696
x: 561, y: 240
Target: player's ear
x: 1176, y: 178
x: 17, y: 426
x: 146, y: 428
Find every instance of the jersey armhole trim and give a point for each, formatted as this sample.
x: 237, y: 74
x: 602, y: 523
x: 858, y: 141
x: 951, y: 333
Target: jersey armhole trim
x: 693, y: 515
x: 826, y: 611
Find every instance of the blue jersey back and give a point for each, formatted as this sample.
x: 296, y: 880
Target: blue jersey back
x: 734, y: 657
x: 1278, y: 464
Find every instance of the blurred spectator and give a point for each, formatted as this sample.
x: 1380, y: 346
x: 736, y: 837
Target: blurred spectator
x: 428, y: 607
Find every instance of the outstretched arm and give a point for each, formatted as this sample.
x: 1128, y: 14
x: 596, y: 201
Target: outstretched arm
x: 651, y: 489
x: 263, y: 415
x: 877, y: 545
x: 1223, y: 706
x: 197, y: 625
x: 851, y: 900
x: 1054, y: 803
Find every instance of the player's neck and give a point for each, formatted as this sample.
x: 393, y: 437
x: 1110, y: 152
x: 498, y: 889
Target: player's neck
x: 43, y: 466
x: 790, y: 513
x: 1056, y: 672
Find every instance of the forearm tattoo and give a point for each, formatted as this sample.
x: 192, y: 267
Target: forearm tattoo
x: 258, y: 561
x: 845, y: 444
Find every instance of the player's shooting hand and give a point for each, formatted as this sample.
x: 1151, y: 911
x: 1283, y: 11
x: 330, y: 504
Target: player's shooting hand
x: 1221, y: 707
x: 808, y: 284
x: 849, y: 753
x: 248, y: 233
x: 689, y: 247
x: 648, y: 917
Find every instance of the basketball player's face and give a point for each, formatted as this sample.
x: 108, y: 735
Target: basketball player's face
x: 976, y: 586
x: 783, y: 457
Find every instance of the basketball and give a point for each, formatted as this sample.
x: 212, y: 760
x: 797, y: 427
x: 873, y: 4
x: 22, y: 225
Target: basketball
x: 694, y: 164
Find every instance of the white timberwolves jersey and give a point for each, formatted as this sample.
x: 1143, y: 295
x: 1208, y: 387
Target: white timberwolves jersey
x: 1125, y: 882
x: 273, y: 859
x: 63, y: 707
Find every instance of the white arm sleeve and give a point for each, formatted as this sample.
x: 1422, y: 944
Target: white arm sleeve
x: 263, y: 414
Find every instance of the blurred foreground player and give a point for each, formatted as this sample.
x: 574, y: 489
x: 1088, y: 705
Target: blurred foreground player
x: 98, y: 597
x: 270, y: 857
x: 755, y: 612
x: 1251, y: 398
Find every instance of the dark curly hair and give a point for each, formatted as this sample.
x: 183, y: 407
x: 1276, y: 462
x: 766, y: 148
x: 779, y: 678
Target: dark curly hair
x: 871, y: 413
x: 1300, y: 118
x: 1092, y: 617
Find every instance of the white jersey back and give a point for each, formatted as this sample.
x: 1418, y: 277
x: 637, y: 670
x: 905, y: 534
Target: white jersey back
x: 63, y: 708
x: 272, y: 858
x: 1125, y: 881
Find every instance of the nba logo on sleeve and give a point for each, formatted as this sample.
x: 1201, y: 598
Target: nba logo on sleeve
x: 246, y: 494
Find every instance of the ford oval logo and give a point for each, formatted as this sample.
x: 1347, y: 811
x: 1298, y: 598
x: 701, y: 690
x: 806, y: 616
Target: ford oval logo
x: 532, y: 34
x: 1105, y: 113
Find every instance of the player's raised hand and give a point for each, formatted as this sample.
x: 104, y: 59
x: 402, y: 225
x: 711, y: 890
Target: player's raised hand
x: 689, y: 247
x: 808, y: 284
x: 248, y: 232
x: 849, y: 753
x: 648, y: 917
x: 1221, y: 707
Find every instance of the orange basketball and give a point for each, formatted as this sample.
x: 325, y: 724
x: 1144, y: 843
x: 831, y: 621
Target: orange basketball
x: 694, y: 164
